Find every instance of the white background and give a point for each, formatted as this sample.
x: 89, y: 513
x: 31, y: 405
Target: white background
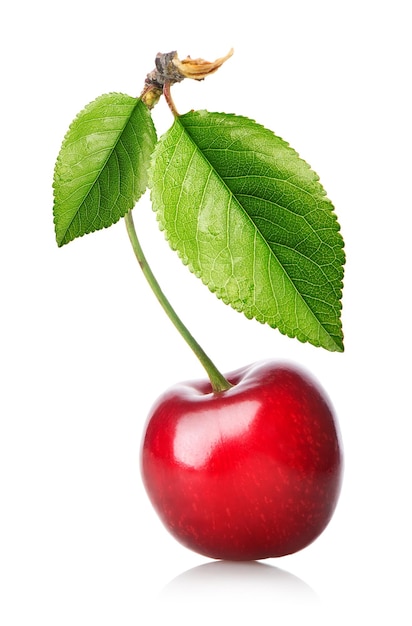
x: 85, y: 349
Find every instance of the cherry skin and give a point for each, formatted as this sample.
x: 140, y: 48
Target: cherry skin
x: 245, y: 474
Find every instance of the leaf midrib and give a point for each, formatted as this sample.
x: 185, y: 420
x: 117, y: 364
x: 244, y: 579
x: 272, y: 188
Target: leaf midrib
x: 92, y: 186
x: 271, y: 252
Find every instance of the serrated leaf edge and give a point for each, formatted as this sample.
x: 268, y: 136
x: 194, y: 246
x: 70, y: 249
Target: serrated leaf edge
x: 302, y: 337
x: 58, y: 163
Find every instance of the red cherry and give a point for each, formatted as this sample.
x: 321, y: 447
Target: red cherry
x: 249, y: 473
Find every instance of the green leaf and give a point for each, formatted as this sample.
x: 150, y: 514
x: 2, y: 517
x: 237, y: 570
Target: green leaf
x: 250, y: 218
x: 101, y: 170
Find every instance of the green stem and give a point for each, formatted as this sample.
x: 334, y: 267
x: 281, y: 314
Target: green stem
x: 218, y: 381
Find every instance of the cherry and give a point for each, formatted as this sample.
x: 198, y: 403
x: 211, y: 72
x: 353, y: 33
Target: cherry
x: 249, y: 465
x: 247, y: 473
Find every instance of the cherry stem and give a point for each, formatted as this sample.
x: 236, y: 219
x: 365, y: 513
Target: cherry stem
x: 168, y: 97
x: 218, y: 381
